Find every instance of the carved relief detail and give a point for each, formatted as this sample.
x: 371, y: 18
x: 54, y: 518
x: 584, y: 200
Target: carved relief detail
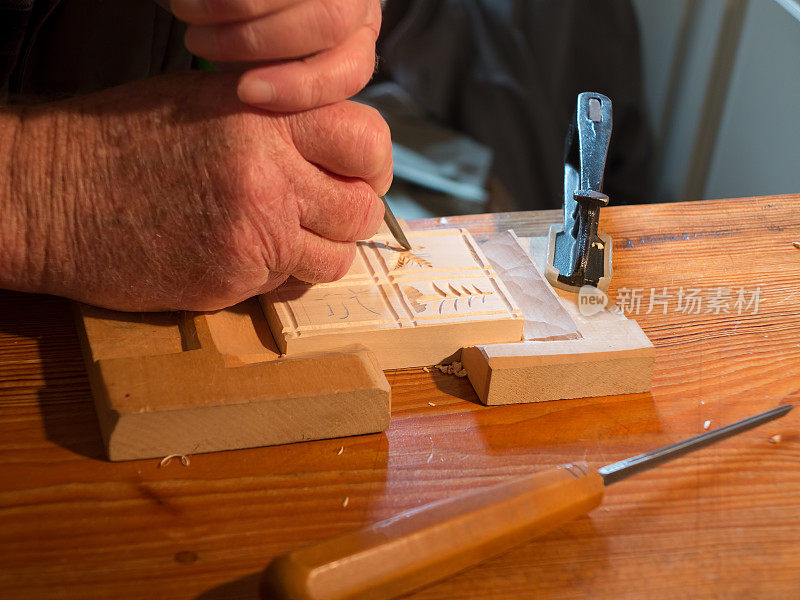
x: 419, y: 301
x: 429, y: 301
x: 409, y: 257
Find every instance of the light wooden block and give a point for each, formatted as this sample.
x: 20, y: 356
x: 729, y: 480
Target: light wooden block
x: 545, y: 317
x: 182, y: 383
x: 611, y: 356
x: 411, y: 308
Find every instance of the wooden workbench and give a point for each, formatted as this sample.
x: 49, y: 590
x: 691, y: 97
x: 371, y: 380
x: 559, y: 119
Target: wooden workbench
x: 722, y: 523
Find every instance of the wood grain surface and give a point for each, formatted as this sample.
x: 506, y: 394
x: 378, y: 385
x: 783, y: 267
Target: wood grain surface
x: 722, y: 523
x: 411, y: 308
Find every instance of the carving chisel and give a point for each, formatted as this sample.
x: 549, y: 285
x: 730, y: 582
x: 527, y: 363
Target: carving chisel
x: 428, y: 543
x: 394, y: 226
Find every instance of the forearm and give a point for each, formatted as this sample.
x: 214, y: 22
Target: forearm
x: 169, y: 193
x: 12, y: 211
x: 33, y: 219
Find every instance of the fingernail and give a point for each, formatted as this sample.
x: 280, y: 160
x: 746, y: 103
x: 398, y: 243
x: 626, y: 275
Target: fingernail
x: 256, y: 91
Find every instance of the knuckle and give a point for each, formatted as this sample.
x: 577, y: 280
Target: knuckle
x: 335, y: 20
x: 358, y: 67
x: 343, y: 260
x: 251, y: 41
x: 206, y: 8
x: 361, y: 218
x: 240, y: 9
x: 240, y: 42
x: 279, y: 236
x: 376, y: 129
x: 322, y: 264
x: 278, y: 251
x: 318, y: 87
x: 375, y: 143
x: 371, y: 211
x: 268, y: 222
x: 374, y: 16
x: 312, y: 90
x: 214, y: 11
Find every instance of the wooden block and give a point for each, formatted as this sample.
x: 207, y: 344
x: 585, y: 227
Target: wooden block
x: 186, y: 383
x: 615, y: 358
x: 241, y: 334
x: 545, y: 317
x: 411, y: 308
x: 612, y: 356
x: 118, y: 335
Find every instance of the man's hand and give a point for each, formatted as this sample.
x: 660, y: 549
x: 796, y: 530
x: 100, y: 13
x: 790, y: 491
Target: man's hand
x: 171, y: 194
x: 310, y: 52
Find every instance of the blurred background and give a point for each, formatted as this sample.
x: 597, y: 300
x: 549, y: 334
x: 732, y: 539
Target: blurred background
x: 479, y: 95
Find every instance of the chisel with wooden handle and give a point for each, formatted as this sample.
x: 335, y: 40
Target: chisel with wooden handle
x: 423, y: 545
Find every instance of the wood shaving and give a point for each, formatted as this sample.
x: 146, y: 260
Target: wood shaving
x: 346, y: 501
x: 407, y: 257
x: 426, y: 369
x: 775, y: 439
x: 455, y: 368
x: 431, y: 404
x: 339, y: 453
x: 168, y: 459
x: 796, y: 244
x: 707, y: 424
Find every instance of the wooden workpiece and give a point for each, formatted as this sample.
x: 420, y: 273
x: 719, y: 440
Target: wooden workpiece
x: 410, y: 307
x: 182, y: 383
x: 566, y: 353
x: 721, y: 523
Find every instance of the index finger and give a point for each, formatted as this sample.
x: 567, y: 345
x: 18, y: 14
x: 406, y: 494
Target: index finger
x: 210, y: 12
x: 297, y: 31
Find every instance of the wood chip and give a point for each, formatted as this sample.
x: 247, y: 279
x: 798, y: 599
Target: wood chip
x: 346, y: 501
x: 168, y: 459
x: 775, y: 439
x: 339, y: 453
x: 431, y: 404
x: 453, y: 369
x: 796, y: 244
x: 707, y: 424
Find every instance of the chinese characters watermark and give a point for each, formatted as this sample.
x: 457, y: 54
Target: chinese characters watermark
x: 684, y: 300
x: 689, y: 301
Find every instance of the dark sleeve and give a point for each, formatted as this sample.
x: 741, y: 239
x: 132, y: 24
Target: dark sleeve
x: 14, y: 17
x: 74, y: 47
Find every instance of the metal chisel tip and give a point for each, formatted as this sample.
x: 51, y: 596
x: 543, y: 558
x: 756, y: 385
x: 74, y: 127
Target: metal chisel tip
x: 394, y: 226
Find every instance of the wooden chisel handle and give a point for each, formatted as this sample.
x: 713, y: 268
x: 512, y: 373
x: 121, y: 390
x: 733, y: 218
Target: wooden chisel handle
x: 428, y: 543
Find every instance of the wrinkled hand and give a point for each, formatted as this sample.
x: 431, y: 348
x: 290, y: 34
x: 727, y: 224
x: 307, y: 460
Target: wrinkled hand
x: 171, y: 194
x: 310, y: 52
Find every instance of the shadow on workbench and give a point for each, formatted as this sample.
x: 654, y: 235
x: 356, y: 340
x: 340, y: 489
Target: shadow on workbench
x: 64, y: 396
x: 244, y: 588
x: 606, y: 416
x: 458, y: 387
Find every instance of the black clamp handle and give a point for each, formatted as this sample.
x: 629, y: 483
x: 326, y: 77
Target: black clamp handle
x: 581, y: 254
